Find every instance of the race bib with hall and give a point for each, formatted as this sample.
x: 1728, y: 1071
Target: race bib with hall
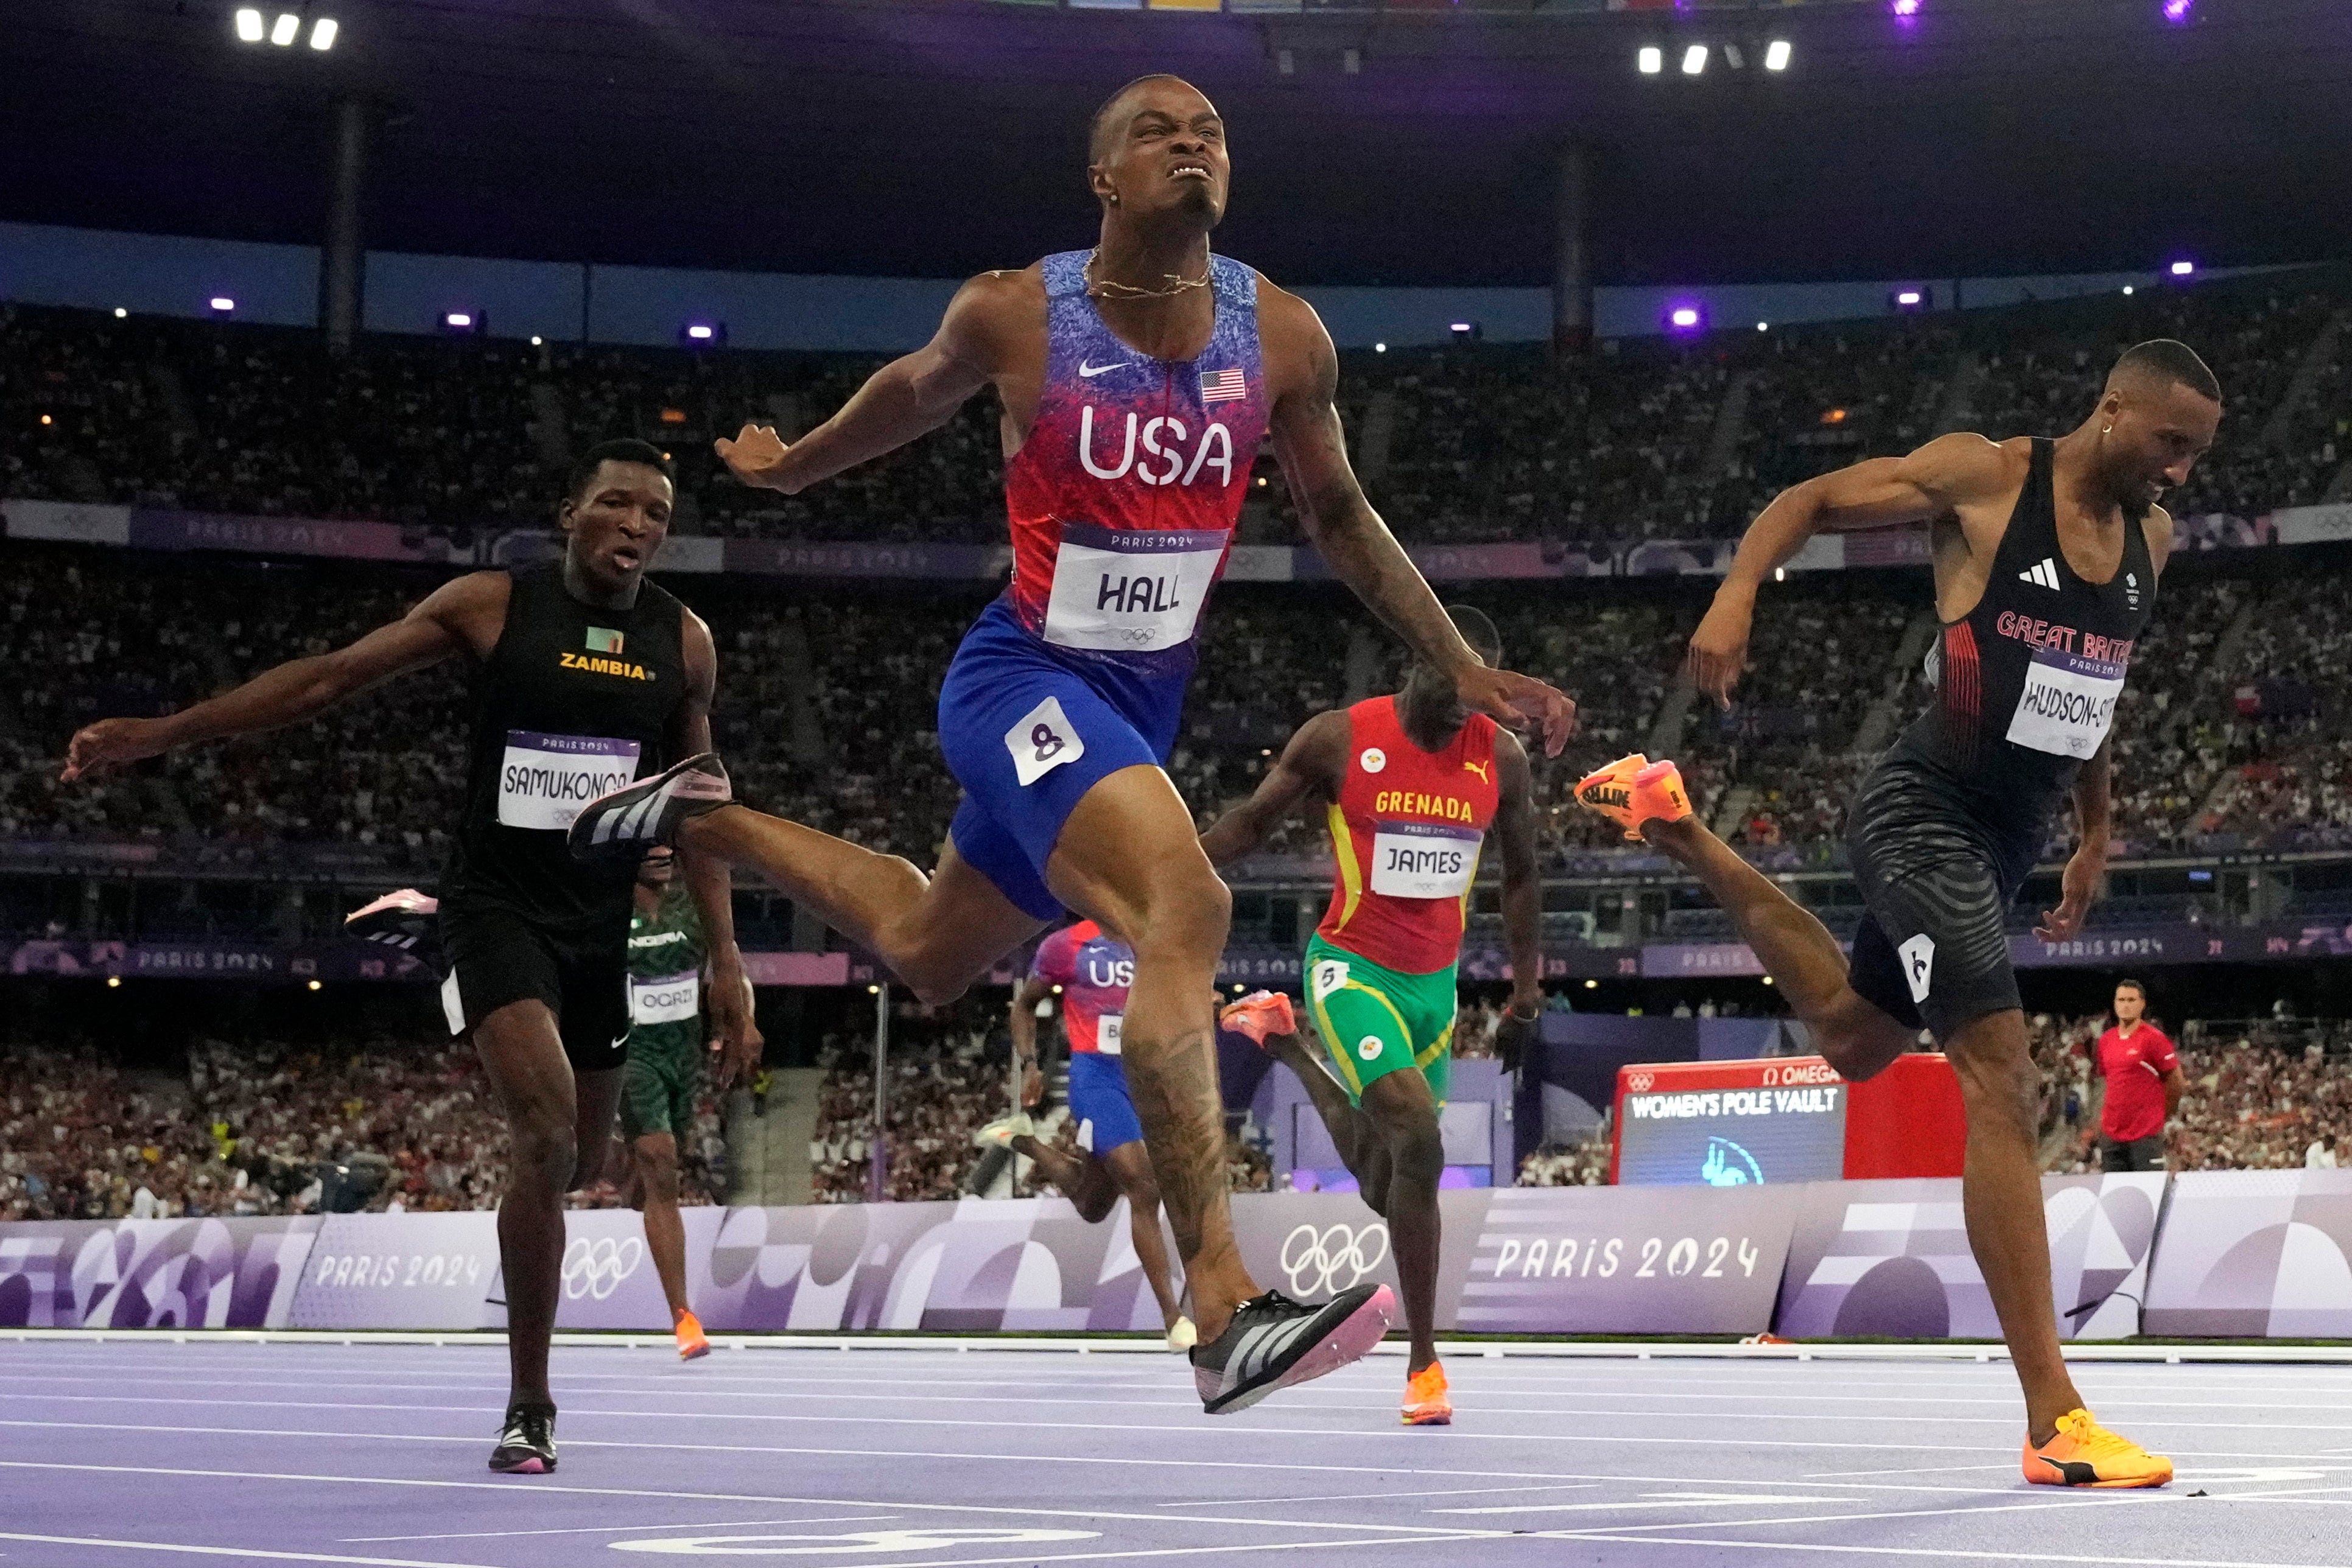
x: 1107, y: 1033
x: 545, y: 779
x: 1127, y: 591
x: 1423, y: 860
x: 669, y: 999
x: 2068, y: 703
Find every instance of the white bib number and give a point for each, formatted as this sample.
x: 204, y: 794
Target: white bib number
x: 2068, y: 703
x: 545, y: 779
x: 1107, y: 1033
x: 1129, y: 592
x: 1420, y: 860
x: 670, y: 998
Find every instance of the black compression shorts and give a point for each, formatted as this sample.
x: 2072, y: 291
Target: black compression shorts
x: 1936, y: 879
x: 497, y: 956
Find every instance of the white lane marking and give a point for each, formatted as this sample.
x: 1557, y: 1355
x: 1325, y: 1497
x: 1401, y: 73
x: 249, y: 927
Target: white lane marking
x: 1459, y: 1436
x: 1415, y: 1531
x: 1031, y: 1559
x: 1664, y: 1500
x: 2036, y: 1554
x: 1380, y: 1496
x: 1781, y: 1418
x: 613, y: 1529
x: 1492, y: 1399
x: 2070, y: 1497
x: 942, y: 1539
x: 246, y: 1553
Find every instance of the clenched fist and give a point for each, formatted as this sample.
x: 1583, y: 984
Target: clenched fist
x: 109, y: 743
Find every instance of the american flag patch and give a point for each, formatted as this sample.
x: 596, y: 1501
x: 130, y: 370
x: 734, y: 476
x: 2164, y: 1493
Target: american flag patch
x: 1223, y: 386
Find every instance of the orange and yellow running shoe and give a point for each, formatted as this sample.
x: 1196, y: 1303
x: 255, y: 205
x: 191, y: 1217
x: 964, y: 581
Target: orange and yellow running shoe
x: 690, y: 1340
x: 1425, y: 1403
x: 1632, y: 790
x: 1260, y: 1014
x: 2086, y: 1454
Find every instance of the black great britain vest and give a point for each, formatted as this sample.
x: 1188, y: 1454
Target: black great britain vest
x: 2027, y: 683
x: 573, y: 702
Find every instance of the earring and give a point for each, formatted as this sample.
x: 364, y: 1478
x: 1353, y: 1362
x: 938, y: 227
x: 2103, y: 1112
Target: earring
x: 2103, y: 430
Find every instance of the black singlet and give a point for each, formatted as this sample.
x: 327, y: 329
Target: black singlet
x: 2026, y: 684
x: 574, y: 701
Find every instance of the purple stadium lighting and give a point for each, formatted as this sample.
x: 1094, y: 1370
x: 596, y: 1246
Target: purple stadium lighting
x: 703, y: 334
x: 1685, y: 318
x: 222, y: 304
x: 2184, y: 270
x: 1911, y: 297
x: 1905, y: 10
x: 2176, y: 11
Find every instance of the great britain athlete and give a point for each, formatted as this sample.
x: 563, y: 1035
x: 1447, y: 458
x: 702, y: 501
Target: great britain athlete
x: 1410, y: 784
x: 2046, y: 557
x: 1135, y: 383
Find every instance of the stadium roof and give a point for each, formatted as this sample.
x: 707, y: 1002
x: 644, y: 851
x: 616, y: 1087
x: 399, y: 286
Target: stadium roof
x: 938, y: 137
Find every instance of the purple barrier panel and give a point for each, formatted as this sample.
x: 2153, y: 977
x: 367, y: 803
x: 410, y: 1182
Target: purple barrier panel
x: 151, y: 1273
x: 1313, y: 1245
x: 1891, y: 1258
x: 609, y: 1278
x: 821, y: 1268
x: 171, y: 530
x: 402, y: 1271
x: 2255, y: 1254
x: 1629, y: 1259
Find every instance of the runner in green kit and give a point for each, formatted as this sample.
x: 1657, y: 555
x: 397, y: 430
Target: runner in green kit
x: 666, y: 962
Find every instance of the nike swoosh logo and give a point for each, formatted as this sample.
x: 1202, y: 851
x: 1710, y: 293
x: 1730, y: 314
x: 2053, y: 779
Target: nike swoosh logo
x: 1089, y: 372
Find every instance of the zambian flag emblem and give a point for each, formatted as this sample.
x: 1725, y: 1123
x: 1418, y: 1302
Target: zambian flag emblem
x: 603, y: 640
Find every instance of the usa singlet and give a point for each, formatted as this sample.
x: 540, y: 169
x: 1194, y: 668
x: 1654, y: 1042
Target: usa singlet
x: 1122, y: 502
x: 1406, y: 831
x: 1094, y: 971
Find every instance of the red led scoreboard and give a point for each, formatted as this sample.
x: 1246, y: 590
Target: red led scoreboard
x: 1784, y: 1119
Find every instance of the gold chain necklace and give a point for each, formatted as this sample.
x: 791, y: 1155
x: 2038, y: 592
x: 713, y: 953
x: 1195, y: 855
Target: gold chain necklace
x: 1103, y: 287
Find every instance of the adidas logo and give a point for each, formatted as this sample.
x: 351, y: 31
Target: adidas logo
x: 2042, y: 573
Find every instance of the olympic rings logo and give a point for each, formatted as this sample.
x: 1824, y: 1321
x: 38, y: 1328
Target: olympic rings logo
x: 595, y: 1269
x: 1641, y: 1083
x: 1333, y: 1258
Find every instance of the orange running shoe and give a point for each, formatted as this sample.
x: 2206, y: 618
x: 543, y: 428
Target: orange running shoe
x: 1260, y: 1014
x: 1425, y: 1403
x: 1632, y: 790
x: 692, y: 1343
x: 2086, y: 1454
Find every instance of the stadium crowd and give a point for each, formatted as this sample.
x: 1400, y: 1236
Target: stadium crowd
x: 2227, y: 738
x: 1647, y: 438
x: 259, y: 1126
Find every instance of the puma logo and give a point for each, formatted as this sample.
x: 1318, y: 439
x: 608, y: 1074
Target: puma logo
x: 1606, y: 795
x: 1479, y: 769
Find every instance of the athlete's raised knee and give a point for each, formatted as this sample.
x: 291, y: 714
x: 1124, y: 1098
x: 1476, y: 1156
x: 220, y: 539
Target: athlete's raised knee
x: 1858, y: 1038
x: 1187, y: 914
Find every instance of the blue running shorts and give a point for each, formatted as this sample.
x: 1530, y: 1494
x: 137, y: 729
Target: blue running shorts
x: 1099, y: 1103
x: 1027, y: 729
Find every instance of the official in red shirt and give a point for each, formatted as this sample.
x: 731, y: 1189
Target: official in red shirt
x: 2144, y: 1085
